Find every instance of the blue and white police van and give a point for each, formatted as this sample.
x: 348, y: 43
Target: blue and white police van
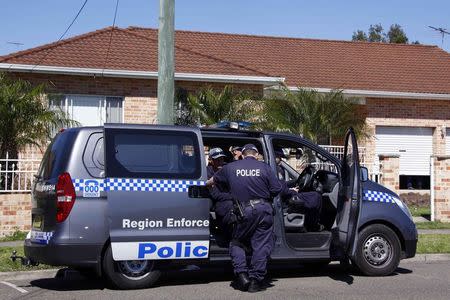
x: 129, y: 201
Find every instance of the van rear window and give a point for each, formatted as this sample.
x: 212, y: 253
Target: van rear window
x: 152, y: 154
x: 56, y: 156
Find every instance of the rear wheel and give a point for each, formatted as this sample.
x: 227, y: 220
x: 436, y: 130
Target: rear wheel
x: 130, y: 274
x: 378, y: 251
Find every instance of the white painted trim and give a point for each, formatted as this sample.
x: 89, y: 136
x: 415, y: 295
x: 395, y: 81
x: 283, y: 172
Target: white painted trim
x: 141, y: 74
x: 381, y: 94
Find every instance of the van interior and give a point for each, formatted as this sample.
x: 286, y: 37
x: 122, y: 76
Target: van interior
x: 303, y: 169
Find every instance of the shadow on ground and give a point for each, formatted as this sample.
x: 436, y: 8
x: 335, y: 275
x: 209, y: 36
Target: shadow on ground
x: 206, y: 275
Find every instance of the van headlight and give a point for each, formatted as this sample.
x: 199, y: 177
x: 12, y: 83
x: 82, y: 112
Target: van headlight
x: 403, y: 207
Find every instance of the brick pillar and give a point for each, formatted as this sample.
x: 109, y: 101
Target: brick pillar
x: 442, y: 188
x: 439, y: 140
x: 389, y: 171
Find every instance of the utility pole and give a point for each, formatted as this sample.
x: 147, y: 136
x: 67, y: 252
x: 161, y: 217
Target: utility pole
x: 166, y: 59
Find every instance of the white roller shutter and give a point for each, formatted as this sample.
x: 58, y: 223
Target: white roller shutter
x: 413, y: 144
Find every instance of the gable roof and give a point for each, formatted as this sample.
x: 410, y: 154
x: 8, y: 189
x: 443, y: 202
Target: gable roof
x: 308, y: 63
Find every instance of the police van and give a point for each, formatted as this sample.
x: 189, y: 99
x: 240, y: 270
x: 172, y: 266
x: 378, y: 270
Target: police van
x: 129, y: 201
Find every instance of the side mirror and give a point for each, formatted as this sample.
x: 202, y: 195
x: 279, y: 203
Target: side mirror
x: 364, y: 174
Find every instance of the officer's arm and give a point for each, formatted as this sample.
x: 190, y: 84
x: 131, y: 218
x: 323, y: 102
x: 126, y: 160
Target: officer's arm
x: 218, y: 178
x: 275, y: 186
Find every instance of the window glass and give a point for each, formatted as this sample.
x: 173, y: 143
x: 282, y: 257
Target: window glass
x: 56, y: 156
x: 152, y: 154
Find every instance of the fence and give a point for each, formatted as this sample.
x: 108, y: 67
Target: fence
x: 338, y: 151
x: 17, y: 175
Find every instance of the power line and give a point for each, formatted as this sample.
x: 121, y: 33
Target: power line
x: 62, y: 35
x: 110, y: 36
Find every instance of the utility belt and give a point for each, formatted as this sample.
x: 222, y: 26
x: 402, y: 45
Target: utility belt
x: 253, y: 202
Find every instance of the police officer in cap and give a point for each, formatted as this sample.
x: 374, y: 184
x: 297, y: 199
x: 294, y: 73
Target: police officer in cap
x: 223, y: 201
x: 253, y: 183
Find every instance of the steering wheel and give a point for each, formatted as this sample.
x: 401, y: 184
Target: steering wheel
x: 305, y: 178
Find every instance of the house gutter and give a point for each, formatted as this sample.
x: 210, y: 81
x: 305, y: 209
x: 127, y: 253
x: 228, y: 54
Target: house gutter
x: 379, y: 94
x: 268, y: 81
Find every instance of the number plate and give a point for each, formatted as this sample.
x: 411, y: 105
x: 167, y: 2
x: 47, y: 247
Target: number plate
x: 37, y: 222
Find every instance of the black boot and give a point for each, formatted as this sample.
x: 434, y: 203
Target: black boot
x: 255, y: 286
x: 244, y: 281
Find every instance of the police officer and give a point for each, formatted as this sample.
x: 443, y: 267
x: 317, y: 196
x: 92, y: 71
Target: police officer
x: 216, y: 161
x: 223, y: 201
x: 253, y: 184
x: 237, y: 152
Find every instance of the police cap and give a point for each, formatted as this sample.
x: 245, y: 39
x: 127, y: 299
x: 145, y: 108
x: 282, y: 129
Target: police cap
x: 249, y: 147
x: 215, y: 153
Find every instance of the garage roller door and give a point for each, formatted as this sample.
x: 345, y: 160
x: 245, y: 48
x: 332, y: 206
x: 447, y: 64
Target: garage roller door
x: 413, y: 144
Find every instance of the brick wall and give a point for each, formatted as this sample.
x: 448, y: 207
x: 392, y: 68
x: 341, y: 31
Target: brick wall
x: 15, y: 213
x: 442, y: 188
x: 389, y: 167
x: 406, y: 112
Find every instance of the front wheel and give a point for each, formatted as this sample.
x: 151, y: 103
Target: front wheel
x: 130, y: 274
x: 378, y: 251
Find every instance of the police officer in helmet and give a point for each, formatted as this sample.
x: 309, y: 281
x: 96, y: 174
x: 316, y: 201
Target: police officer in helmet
x: 253, y: 183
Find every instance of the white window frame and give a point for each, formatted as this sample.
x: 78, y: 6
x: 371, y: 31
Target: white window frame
x: 66, y: 98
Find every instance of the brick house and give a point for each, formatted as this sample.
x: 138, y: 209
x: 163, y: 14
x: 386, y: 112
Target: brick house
x: 110, y: 75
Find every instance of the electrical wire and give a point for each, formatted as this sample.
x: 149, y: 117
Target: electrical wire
x: 62, y: 35
x: 110, y: 37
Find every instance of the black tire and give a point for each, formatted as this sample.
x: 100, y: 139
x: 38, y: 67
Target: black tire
x: 122, y: 276
x: 378, y: 251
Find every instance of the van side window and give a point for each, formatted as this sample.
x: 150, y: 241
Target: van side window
x: 93, y: 156
x: 152, y: 154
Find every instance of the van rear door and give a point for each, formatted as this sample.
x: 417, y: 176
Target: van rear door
x: 349, y: 203
x: 149, y: 171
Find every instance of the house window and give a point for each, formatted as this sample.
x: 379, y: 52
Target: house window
x: 90, y: 110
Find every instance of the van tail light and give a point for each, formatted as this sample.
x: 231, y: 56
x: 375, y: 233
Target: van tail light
x: 65, y: 197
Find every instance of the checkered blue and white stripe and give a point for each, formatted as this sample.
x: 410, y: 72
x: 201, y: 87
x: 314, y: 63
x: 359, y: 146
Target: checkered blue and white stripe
x: 377, y: 196
x: 140, y: 185
x: 150, y: 185
x: 41, y: 237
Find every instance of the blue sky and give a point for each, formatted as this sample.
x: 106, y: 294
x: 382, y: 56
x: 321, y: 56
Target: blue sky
x: 34, y: 23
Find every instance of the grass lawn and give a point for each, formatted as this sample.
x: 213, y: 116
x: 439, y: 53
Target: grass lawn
x: 16, y: 236
x: 432, y: 225
x: 7, y: 265
x: 433, y: 243
x: 419, y: 211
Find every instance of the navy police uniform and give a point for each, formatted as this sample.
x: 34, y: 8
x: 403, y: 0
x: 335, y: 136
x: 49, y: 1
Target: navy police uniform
x: 253, y: 183
x: 308, y: 202
x: 223, y: 201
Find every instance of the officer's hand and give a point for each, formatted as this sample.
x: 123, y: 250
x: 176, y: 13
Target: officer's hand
x: 210, y: 182
x: 296, y: 189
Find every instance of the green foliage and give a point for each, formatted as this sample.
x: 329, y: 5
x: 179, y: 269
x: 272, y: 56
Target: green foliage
x: 16, y: 236
x: 433, y: 243
x: 25, y: 118
x: 376, y: 34
x: 210, y: 106
x: 359, y: 35
x: 317, y: 116
x: 397, y: 35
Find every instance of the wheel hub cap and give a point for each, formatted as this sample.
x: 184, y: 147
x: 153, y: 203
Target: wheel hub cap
x: 135, y: 268
x: 377, y: 250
